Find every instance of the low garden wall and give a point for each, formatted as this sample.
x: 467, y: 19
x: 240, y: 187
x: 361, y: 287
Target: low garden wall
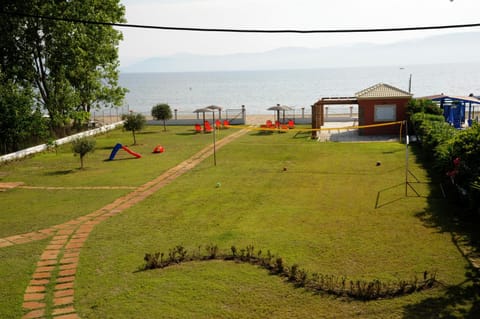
x: 43, y: 147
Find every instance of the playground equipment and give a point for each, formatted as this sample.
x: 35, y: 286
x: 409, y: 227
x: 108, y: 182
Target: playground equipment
x: 119, y: 146
x: 158, y: 149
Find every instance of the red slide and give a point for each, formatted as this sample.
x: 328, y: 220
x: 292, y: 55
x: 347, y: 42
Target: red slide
x: 129, y: 151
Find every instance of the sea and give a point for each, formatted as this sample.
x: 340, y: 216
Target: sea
x: 259, y: 90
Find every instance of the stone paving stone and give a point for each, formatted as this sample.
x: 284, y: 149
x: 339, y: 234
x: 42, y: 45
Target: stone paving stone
x: 67, y: 272
x: 62, y: 226
x: 63, y: 293
x: 47, y: 231
x: 63, y: 301
x: 21, y: 240
x: 33, y: 305
x: 41, y: 275
x: 49, y: 262
x: 79, y: 240
x: 54, y: 247
x: 45, y: 268
x: 62, y: 311
x: 50, y: 254
x: 39, y: 282
x: 34, y: 289
x: 12, y: 238
x: 58, y: 237
x: 74, y: 245
x: 68, y: 266
x: 59, y: 241
x: 34, y: 296
x: 72, y: 254
x: 101, y: 218
x: 66, y: 279
x: 70, y: 260
x: 67, y: 285
x: 73, y: 222
x: 66, y: 231
x: 96, y: 213
x: 39, y: 313
x: 84, y: 229
x: 80, y: 236
x: 39, y: 236
x: 92, y: 222
x: 5, y: 243
x: 71, y: 251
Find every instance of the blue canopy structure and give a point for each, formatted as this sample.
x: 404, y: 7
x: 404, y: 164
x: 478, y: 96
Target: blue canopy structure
x: 454, y: 108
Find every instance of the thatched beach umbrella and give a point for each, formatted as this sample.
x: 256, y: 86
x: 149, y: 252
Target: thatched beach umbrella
x: 277, y: 108
x: 216, y: 107
x: 203, y: 110
x: 210, y: 110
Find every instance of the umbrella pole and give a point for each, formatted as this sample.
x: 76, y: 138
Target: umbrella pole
x: 214, y: 142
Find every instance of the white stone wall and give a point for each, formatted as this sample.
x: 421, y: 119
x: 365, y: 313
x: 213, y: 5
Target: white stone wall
x: 43, y: 147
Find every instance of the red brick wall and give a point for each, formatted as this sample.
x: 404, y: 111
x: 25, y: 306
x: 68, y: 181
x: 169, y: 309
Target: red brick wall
x: 367, y: 116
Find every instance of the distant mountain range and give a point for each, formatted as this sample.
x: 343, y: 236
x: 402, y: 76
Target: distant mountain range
x: 450, y: 48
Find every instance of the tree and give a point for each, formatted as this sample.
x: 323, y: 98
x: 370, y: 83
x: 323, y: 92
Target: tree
x: 20, y: 123
x: 134, y: 122
x: 423, y: 106
x: 72, y: 66
x: 83, y: 146
x: 162, y: 112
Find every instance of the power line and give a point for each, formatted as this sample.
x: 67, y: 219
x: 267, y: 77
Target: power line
x: 142, y: 26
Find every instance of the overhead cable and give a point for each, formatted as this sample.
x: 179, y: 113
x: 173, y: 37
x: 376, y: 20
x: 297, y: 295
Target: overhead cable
x: 229, y: 30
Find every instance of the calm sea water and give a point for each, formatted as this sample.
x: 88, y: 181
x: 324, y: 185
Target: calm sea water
x: 258, y: 90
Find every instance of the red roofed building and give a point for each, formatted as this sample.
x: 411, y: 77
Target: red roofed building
x: 378, y: 104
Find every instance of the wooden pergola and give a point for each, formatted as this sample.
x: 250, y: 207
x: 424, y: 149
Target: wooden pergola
x: 318, y: 110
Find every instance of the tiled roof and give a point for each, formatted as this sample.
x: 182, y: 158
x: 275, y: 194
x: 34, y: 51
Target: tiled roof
x: 382, y: 90
x: 439, y: 97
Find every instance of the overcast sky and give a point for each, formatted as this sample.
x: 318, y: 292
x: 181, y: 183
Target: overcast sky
x: 277, y: 14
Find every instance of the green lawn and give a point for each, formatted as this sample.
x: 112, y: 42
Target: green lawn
x: 325, y: 206
x: 27, y: 210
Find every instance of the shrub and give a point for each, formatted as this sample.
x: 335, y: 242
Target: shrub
x: 82, y: 147
x: 423, y: 106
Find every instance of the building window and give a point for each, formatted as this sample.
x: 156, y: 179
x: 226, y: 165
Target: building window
x: 385, y: 113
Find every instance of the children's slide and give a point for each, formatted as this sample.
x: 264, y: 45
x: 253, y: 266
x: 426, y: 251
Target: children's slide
x: 126, y: 149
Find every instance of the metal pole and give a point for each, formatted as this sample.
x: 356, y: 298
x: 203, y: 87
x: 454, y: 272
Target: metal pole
x: 406, y: 157
x: 214, y: 141
x: 410, y: 84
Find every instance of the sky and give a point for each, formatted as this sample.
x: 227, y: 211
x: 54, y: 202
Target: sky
x: 139, y: 44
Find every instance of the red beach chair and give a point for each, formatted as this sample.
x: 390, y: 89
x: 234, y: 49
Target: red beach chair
x: 207, y: 128
x: 198, y: 128
x: 291, y: 124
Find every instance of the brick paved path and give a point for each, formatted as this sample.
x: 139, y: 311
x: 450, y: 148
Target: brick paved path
x: 54, y: 277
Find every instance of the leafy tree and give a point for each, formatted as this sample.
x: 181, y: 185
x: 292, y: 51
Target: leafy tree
x: 20, y: 123
x: 423, y: 106
x: 134, y: 122
x: 72, y: 66
x: 162, y: 112
x: 82, y: 147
